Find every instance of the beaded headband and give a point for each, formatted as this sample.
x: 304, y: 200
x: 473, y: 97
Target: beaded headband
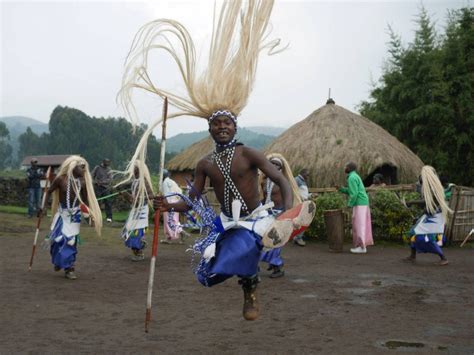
x: 223, y: 113
x: 277, y: 160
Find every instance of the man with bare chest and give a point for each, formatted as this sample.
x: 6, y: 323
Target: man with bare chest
x: 234, y: 239
x: 232, y: 169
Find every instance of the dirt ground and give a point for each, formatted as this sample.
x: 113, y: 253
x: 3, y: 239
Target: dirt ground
x: 327, y: 303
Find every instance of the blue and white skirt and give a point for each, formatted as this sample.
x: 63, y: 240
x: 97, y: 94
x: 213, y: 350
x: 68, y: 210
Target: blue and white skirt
x: 63, y: 237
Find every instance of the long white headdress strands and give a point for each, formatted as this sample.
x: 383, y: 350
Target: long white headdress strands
x: 144, y: 180
x: 288, y: 174
x: 66, y: 169
x: 227, y: 81
x: 433, y: 191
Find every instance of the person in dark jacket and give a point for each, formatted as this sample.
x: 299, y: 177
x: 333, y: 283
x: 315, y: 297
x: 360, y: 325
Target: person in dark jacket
x: 102, y: 175
x: 33, y: 176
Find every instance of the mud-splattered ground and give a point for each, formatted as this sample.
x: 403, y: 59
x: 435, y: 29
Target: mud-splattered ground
x: 328, y: 303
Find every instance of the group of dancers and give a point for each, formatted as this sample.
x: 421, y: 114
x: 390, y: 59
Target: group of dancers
x: 247, y: 229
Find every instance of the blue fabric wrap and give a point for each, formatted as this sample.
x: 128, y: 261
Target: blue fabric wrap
x: 237, y: 254
x: 63, y: 255
x: 135, y: 240
x: 272, y: 257
x: 430, y: 246
x: 420, y: 244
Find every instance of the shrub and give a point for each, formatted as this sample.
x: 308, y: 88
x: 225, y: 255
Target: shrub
x: 324, y: 202
x: 391, y: 220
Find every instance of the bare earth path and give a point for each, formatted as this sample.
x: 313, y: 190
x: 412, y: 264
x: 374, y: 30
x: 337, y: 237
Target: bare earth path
x: 327, y: 303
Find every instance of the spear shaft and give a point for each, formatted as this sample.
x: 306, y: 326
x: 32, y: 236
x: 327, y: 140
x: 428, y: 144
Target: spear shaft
x: 156, y: 228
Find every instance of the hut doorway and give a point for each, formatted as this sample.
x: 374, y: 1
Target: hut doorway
x: 388, y: 172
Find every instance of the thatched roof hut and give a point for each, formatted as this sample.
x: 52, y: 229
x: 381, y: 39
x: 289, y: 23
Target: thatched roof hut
x: 332, y: 136
x: 182, y: 165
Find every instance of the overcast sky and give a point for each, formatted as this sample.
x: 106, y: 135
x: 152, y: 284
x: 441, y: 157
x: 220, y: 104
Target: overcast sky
x: 71, y: 53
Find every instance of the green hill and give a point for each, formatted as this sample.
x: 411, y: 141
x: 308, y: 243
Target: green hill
x: 245, y: 135
x: 17, y: 125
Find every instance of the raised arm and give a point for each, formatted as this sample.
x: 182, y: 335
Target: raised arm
x: 160, y: 202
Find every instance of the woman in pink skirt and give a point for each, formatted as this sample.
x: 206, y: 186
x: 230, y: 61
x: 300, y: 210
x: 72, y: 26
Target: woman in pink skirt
x: 359, y: 201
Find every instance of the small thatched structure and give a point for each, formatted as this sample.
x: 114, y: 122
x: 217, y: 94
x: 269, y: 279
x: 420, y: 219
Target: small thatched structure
x: 332, y: 136
x: 182, y: 166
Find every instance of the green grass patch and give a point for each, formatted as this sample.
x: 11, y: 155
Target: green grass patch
x: 17, y: 173
x: 14, y: 209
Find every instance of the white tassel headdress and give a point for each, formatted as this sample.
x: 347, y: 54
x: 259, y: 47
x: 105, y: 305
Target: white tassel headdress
x: 66, y: 169
x: 226, y: 83
x: 144, y: 180
x: 433, y: 192
x: 288, y: 174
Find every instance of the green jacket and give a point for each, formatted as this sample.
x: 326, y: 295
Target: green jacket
x: 356, y: 191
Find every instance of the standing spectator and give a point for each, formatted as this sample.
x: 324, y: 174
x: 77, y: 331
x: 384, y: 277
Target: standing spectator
x: 34, y: 175
x: 359, y: 201
x: 301, y: 181
x: 171, y: 219
x: 102, y: 175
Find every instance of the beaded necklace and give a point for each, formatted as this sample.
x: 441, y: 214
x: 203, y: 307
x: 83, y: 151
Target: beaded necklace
x: 77, y: 183
x: 268, y: 190
x: 225, y: 169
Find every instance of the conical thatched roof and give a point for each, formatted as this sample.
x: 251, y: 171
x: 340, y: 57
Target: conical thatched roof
x: 332, y: 136
x: 188, y: 158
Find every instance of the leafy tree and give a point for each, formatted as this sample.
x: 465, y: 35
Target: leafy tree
x: 73, y: 132
x: 31, y: 144
x: 424, y: 96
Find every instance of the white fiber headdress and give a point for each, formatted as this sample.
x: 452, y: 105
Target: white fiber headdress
x: 239, y: 35
x: 66, y: 169
x: 288, y: 174
x: 433, y: 192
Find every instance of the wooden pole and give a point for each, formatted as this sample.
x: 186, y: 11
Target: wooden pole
x: 40, y: 216
x: 163, y: 144
x: 151, y: 276
x: 451, y: 228
x: 467, y: 237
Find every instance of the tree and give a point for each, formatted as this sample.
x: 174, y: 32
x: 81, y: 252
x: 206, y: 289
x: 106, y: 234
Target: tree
x: 73, y: 132
x: 5, y: 147
x: 424, y: 96
x: 31, y: 144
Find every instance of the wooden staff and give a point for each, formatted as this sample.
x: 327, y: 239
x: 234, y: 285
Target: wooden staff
x: 156, y: 228
x: 467, y: 237
x: 40, y: 216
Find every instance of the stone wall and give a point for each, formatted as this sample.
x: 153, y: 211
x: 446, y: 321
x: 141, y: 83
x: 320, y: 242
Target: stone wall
x: 13, y: 192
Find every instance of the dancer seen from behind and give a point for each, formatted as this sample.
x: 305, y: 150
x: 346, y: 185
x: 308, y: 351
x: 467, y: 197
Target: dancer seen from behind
x: 359, y: 202
x: 303, y: 191
x: 71, y: 188
x: 173, y: 229
x: 136, y: 226
x: 427, y: 235
x: 272, y: 193
x: 235, y: 238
